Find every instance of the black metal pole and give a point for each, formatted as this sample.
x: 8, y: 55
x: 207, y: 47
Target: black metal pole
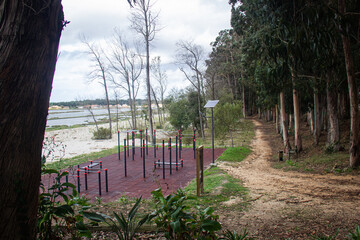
x: 119, y: 145
x: 127, y: 138
x: 180, y: 145
x: 170, y: 155
x: 86, y: 186
x: 133, y: 145
x: 154, y: 143
x: 176, y: 146
x: 67, y: 177
x: 125, y: 157
x: 194, y: 145
x: 106, y: 179
x: 78, y: 180
x: 163, y: 145
x: 212, y: 134
x: 146, y: 137
x: 143, y: 148
x: 99, y: 177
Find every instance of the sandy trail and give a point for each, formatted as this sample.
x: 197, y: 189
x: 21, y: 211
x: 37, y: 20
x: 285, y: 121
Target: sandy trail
x: 286, y: 203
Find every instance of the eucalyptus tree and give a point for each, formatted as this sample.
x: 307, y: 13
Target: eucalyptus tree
x: 127, y: 64
x: 30, y: 33
x: 190, y: 59
x: 144, y: 22
x: 350, y: 34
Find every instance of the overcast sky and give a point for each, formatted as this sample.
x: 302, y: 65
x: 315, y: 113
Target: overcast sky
x: 192, y: 20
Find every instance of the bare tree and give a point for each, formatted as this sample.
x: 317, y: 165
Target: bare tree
x: 162, y: 82
x: 127, y: 63
x: 190, y: 58
x: 144, y: 22
x: 100, y: 71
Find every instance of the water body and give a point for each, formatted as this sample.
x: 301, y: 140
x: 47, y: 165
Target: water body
x: 81, y: 116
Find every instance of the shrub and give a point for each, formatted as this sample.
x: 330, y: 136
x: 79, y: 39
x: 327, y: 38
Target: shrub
x: 102, y: 133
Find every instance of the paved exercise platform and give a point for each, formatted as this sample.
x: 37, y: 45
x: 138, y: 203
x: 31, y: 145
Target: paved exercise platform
x: 134, y: 184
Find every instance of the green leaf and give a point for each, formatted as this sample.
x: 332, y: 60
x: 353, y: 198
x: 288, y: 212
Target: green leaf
x: 95, y: 216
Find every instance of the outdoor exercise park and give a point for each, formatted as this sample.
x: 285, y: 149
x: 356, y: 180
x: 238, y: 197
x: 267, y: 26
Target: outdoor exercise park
x: 140, y: 167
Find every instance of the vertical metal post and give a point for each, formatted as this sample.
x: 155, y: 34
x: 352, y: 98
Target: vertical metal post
x: 163, y: 145
x: 86, y: 186
x: 141, y: 143
x: 170, y: 155
x: 212, y: 134
x: 154, y: 143
x: 99, y: 177
x: 146, y: 137
x: 106, y: 179
x: 119, y: 145
x: 176, y: 152
x: 133, y: 145
x: 78, y: 179
x: 127, y: 138
x: 194, y: 145
x: 125, y: 157
x: 180, y: 145
x: 143, y: 149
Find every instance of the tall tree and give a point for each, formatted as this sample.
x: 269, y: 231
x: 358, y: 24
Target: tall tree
x: 30, y: 32
x: 190, y: 58
x: 162, y: 82
x: 144, y: 22
x: 100, y: 71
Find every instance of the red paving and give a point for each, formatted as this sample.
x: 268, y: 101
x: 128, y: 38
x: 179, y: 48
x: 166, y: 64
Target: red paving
x: 134, y: 184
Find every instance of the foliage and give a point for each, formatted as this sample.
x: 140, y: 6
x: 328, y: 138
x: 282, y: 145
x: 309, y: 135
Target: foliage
x: 124, y: 227
x: 174, y: 216
x: 60, y: 213
x: 235, y: 236
x: 178, y: 110
x: 356, y: 234
x: 226, y: 117
x: 102, y: 133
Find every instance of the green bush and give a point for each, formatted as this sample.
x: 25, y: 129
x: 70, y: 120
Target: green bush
x: 102, y: 133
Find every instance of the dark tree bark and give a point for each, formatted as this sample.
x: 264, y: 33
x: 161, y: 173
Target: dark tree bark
x: 30, y: 33
x: 333, y: 129
x: 353, y: 95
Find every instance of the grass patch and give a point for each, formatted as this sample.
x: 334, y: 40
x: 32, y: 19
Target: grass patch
x: 318, y: 163
x: 218, y: 187
x: 68, y: 162
x: 235, y: 154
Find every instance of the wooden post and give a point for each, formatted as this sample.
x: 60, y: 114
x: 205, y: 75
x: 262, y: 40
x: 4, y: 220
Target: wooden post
x: 199, y: 170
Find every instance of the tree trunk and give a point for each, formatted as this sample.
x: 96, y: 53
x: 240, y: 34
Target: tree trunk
x: 297, y: 117
x: 108, y: 104
x: 312, y: 121
x: 333, y: 130
x: 28, y: 49
x: 353, y: 95
x: 243, y: 94
x: 277, y: 119
x: 148, y: 85
x: 317, y: 125
x: 283, y: 123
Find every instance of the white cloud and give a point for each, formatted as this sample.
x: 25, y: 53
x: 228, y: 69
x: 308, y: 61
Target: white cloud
x: 197, y: 20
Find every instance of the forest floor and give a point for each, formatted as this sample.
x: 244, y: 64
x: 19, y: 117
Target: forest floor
x: 291, y: 204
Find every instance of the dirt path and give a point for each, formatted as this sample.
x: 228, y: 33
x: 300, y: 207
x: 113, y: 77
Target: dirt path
x: 292, y: 204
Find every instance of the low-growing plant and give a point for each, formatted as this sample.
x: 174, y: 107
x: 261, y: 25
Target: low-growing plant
x: 179, y: 221
x: 235, y: 236
x: 356, y: 234
x: 61, y: 214
x: 102, y: 133
x: 124, y: 227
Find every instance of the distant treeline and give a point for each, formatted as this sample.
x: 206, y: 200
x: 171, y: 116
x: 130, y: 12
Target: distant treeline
x: 101, y: 102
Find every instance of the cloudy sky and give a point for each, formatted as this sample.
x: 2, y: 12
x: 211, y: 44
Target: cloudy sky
x: 192, y: 20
